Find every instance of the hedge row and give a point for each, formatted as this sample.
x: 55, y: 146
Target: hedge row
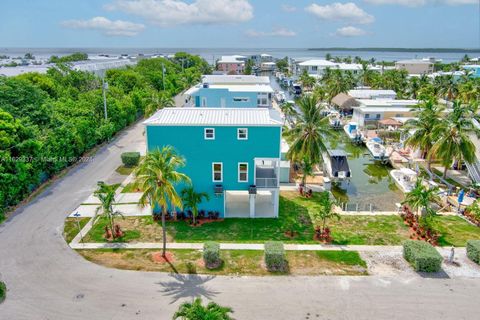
x: 473, y: 250
x: 3, y: 291
x: 275, y: 258
x: 422, y: 256
x: 211, y: 255
x: 130, y: 159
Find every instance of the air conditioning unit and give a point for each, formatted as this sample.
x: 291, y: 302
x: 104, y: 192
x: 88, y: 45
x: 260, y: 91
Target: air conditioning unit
x: 206, y: 85
x: 218, y: 189
x: 252, y: 189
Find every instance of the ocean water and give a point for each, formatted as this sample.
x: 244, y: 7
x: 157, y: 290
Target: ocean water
x: 211, y: 54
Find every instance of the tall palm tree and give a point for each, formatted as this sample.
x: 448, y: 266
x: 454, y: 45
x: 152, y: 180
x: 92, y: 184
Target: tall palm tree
x: 452, y: 137
x: 196, y: 311
x: 106, y: 194
x: 158, y: 101
x: 288, y: 109
x: 307, y: 137
x: 469, y: 91
x: 157, y: 176
x: 192, y: 199
x: 448, y: 87
x: 420, y: 198
x: 427, y: 116
x: 326, y: 211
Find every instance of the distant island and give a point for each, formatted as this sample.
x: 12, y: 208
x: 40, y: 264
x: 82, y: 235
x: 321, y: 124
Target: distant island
x: 444, y: 50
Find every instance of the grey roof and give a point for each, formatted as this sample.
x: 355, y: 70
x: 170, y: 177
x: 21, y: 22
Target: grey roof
x: 215, y: 117
x: 337, y: 153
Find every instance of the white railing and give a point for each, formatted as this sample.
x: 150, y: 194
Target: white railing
x: 474, y: 171
x: 266, y: 182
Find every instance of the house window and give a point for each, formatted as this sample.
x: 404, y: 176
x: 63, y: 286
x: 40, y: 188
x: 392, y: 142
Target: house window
x: 204, y: 102
x: 367, y: 116
x: 243, y: 172
x: 217, y: 172
x: 399, y: 115
x: 241, y: 99
x: 378, y: 116
x: 314, y: 68
x: 209, y: 134
x: 242, y: 134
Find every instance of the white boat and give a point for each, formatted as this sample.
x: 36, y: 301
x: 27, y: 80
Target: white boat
x: 404, y: 178
x: 280, y: 97
x: 334, y: 119
x: 352, y: 131
x: 376, y: 148
x: 335, y: 165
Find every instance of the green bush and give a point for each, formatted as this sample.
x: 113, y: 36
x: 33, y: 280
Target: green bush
x: 422, y: 256
x: 473, y: 250
x: 3, y: 291
x: 275, y: 258
x: 211, y: 254
x: 130, y: 159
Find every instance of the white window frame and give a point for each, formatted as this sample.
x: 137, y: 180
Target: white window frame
x: 239, y: 172
x: 205, y: 134
x: 241, y: 99
x: 221, y: 171
x: 246, y: 134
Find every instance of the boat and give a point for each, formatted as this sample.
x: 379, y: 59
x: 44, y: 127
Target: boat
x: 334, y: 119
x: 378, y: 151
x: 335, y: 165
x: 352, y: 131
x: 404, y: 178
x: 280, y: 97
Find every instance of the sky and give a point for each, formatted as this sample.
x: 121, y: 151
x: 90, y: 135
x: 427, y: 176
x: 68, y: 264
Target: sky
x: 240, y: 23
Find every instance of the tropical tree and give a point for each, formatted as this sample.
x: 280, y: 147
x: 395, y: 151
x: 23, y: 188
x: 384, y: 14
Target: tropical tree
x: 307, y: 169
x: 326, y: 209
x: 447, y: 87
x: 452, y: 137
x: 196, y: 311
x: 158, y: 101
x: 420, y: 199
x: 288, y: 109
x: 307, y: 137
x: 106, y: 194
x: 157, y: 177
x: 306, y: 80
x: 426, y: 117
x: 192, y: 199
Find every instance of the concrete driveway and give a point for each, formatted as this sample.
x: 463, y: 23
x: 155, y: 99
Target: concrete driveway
x: 47, y: 280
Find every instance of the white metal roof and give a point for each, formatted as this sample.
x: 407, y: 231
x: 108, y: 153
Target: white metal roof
x: 414, y: 61
x: 215, y: 117
x: 231, y: 59
x: 318, y: 63
x: 235, y: 79
x: 369, y: 93
x: 386, y: 103
x: 383, y: 109
x: 244, y: 88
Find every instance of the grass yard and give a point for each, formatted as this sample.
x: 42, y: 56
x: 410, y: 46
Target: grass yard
x: 454, y: 231
x: 70, y: 229
x: 135, y: 229
x: 130, y: 188
x: 235, y: 262
x: 125, y: 171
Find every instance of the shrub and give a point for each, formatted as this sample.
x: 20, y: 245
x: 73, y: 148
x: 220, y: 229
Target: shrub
x: 275, y: 259
x: 3, y: 291
x: 211, y: 255
x: 473, y: 250
x: 422, y: 256
x: 130, y: 159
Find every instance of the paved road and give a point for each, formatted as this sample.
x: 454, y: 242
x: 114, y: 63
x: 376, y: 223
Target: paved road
x: 47, y: 280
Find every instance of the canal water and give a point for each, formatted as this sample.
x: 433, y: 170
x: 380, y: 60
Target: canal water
x: 371, y: 186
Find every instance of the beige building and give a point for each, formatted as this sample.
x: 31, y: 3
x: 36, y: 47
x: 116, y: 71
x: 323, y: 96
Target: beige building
x: 371, y: 111
x: 415, y: 66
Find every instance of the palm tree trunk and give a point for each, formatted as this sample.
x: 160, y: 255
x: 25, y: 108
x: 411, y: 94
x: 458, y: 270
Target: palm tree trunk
x: 164, y: 234
x: 445, y: 172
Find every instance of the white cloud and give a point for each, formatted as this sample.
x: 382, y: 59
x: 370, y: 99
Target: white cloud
x: 166, y: 13
x: 348, y: 12
x: 420, y: 3
x: 288, y: 8
x: 350, y: 32
x: 106, y: 26
x: 280, y: 32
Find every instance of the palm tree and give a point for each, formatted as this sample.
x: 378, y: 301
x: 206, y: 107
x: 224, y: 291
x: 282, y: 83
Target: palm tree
x: 448, y: 87
x: 427, y: 116
x: 307, y: 169
x: 192, y: 199
x: 420, y: 198
x: 307, y: 137
x: 452, y: 137
x: 288, y: 109
x: 306, y: 80
x: 326, y: 211
x: 106, y: 194
x: 157, y: 176
x: 196, y: 311
x: 158, y: 101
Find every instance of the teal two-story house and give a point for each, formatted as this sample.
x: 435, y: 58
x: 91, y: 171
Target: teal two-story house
x: 231, y: 91
x: 233, y: 154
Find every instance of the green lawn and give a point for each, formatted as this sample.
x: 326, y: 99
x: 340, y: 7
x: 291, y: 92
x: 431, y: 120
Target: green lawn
x: 70, y: 229
x: 235, y: 262
x: 96, y: 234
x: 129, y: 188
x: 454, y: 231
x: 125, y: 171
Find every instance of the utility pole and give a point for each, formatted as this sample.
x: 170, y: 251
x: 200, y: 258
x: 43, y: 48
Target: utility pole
x: 104, y: 89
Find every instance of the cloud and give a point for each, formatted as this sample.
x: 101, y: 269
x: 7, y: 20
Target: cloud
x: 350, y: 32
x: 167, y: 13
x: 106, y: 26
x: 288, y: 8
x: 280, y: 32
x: 420, y: 3
x: 348, y: 12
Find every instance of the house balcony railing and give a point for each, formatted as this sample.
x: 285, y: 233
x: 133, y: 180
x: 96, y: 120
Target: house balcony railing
x: 266, y: 182
x: 266, y: 173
